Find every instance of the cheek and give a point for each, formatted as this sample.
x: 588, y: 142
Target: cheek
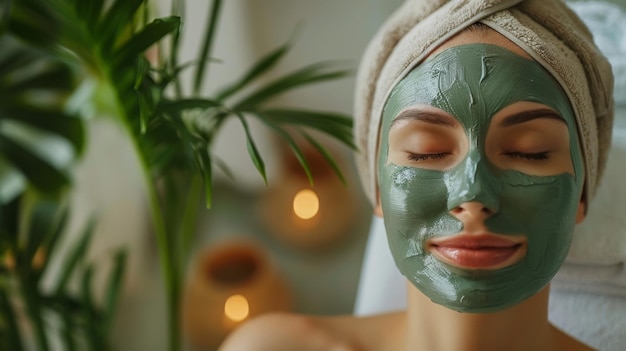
x: 543, y: 208
x: 412, y: 193
x: 414, y: 201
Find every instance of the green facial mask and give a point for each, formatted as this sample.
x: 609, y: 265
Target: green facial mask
x: 472, y: 83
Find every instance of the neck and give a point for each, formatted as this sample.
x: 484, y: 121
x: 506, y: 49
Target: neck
x: 433, y: 327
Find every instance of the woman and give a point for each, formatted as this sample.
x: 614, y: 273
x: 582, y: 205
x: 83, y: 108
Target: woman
x: 483, y: 128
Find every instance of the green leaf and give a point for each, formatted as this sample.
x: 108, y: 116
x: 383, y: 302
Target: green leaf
x: 327, y: 156
x: 13, y: 340
x: 10, y: 213
x: 51, y: 241
x: 311, y: 74
x: 12, y: 182
x: 75, y: 256
x: 90, y: 10
x: 53, y: 78
x: 294, y: 148
x: 42, y: 223
x: 5, y: 13
x: 223, y: 167
x: 69, y: 127
x: 147, y: 37
x: 114, y: 287
x: 67, y: 331
x: 91, y: 317
x: 34, y: 22
x: 38, y: 171
x: 255, y: 156
x: 117, y: 19
x: 207, y: 44
x: 336, y: 125
x: 176, y: 106
x: 204, y: 160
x: 262, y: 66
x: 14, y: 56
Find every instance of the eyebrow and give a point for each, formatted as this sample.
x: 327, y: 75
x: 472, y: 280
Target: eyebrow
x: 426, y: 117
x: 526, y: 116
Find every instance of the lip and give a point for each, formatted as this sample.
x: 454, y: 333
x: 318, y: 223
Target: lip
x: 478, y: 251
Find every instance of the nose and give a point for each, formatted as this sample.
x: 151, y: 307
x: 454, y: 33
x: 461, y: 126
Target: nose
x: 472, y: 212
x: 474, y: 191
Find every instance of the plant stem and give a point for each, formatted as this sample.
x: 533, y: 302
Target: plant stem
x: 190, y: 216
x: 168, y: 264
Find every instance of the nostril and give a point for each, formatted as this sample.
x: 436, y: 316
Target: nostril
x: 487, y: 210
x: 473, y: 208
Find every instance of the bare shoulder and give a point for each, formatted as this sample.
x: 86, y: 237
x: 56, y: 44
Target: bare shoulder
x: 567, y: 342
x: 280, y: 331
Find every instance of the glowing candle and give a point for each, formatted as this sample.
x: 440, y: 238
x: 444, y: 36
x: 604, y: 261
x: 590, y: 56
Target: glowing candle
x: 236, y: 308
x: 306, y: 204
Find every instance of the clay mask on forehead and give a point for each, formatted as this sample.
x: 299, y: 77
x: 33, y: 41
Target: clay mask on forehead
x: 472, y: 83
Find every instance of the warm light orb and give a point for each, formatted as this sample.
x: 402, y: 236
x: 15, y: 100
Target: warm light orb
x: 236, y: 308
x: 306, y: 204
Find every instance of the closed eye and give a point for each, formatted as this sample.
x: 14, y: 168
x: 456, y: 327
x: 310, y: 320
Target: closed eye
x: 426, y: 157
x: 532, y: 156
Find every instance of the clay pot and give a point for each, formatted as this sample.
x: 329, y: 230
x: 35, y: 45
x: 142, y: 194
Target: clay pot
x: 227, y: 285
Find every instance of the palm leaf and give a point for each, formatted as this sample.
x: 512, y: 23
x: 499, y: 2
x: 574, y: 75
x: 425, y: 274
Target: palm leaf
x: 308, y: 75
x: 5, y: 11
x: 114, y: 288
x: 207, y: 176
x: 262, y: 66
x: 49, y: 243
x: 207, y: 44
x: 31, y: 101
x: 50, y: 121
x: 327, y: 156
x: 297, y: 152
x: 91, y: 317
x: 221, y: 164
x: 147, y: 37
x: 334, y: 124
x: 41, y: 225
x: 75, y: 256
x: 9, y: 318
x: 39, y: 171
x: 115, y: 21
x: 34, y: 21
x: 90, y: 10
x: 255, y: 156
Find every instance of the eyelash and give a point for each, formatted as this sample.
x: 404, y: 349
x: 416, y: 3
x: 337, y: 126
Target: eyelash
x: 426, y: 157
x: 537, y: 156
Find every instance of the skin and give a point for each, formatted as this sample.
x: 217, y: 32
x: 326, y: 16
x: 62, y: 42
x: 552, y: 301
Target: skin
x: 425, y: 325
x: 453, y: 138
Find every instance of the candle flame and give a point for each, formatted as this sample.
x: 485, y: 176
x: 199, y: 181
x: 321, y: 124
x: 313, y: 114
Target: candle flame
x: 236, y: 308
x: 306, y: 204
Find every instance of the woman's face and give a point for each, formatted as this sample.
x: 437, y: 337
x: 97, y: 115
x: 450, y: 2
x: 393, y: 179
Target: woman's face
x: 480, y: 176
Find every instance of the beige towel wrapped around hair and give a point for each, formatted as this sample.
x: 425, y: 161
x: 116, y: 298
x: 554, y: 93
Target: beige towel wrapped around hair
x: 546, y: 29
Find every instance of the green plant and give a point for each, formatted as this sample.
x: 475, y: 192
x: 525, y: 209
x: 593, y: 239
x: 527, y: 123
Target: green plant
x: 172, y: 132
x: 31, y: 231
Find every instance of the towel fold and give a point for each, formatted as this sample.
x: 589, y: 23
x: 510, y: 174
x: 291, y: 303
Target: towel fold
x: 596, y: 262
x: 546, y: 29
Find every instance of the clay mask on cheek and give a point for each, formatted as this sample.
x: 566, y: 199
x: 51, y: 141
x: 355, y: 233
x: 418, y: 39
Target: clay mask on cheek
x: 472, y: 83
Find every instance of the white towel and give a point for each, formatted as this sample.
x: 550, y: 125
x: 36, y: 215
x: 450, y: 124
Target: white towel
x: 597, y: 259
x: 546, y: 29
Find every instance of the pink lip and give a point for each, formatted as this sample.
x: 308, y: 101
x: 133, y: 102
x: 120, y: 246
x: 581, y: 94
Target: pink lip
x: 479, y: 251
